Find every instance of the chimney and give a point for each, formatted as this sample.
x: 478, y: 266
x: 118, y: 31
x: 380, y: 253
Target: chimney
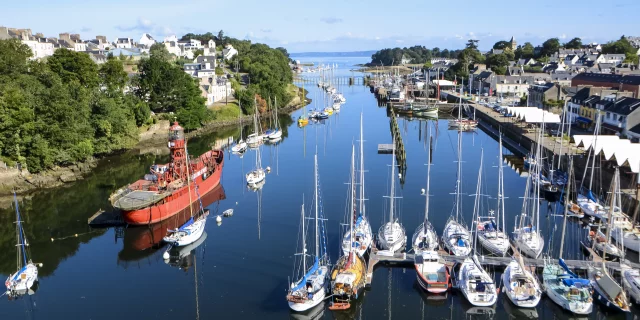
x: 4, y: 33
x: 101, y: 39
x: 65, y: 37
x: 76, y: 37
x: 39, y: 35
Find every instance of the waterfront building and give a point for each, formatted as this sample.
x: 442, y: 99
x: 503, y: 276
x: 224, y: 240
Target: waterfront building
x: 215, y: 89
x: 619, y: 114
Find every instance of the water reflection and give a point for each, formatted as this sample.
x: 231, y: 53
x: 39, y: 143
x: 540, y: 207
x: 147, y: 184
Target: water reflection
x: 184, y: 257
x: 145, y: 241
x: 517, y: 313
x: 314, y: 313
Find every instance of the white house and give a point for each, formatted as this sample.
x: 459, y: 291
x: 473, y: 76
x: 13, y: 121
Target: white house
x: 202, y: 67
x: 571, y: 59
x: 38, y: 44
x: 613, y: 58
x: 147, y: 40
x: 210, y: 48
x: 100, y: 43
x: 619, y: 115
x: 215, y: 89
x: 124, y: 43
x: 228, y: 52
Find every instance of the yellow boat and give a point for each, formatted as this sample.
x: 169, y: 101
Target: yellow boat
x: 329, y: 111
x: 347, y: 279
x: 302, y: 121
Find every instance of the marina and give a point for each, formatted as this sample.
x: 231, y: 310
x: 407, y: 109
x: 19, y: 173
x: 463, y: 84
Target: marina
x: 241, y: 265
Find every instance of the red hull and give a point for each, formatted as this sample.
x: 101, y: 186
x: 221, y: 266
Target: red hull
x: 433, y: 286
x: 178, y: 201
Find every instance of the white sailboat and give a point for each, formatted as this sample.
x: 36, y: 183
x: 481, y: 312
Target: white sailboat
x: 561, y: 285
x: 476, y: 284
x: 425, y: 237
x: 491, y: 229
x: 606, y: 289
x: 520, y: 285
x: 241, y: 145
x: 255, y: 139
x: 191, y: 230
x: 456, y: 236
x: 631, y: 281
x: 362, y: 229
x: 257, y: 175
x: 276, y: 132
x: 391, y: 235
x: 21, y: 281
x: 527, y: 237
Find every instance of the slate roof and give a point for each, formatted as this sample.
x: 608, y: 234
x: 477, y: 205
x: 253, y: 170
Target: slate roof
x: 623, y: 106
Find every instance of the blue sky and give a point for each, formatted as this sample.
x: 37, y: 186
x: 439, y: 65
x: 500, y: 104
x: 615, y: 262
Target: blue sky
x: 330, y: 25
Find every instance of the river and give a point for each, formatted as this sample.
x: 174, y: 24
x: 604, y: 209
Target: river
x: 241, y: 269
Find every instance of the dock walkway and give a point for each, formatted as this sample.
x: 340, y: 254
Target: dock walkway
x: 403, y: 259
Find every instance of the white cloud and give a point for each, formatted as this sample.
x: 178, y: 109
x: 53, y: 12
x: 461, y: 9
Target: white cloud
x: 143, y: 25
x: 563, y: 36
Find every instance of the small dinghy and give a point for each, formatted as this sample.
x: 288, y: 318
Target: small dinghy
x: 227, y: 213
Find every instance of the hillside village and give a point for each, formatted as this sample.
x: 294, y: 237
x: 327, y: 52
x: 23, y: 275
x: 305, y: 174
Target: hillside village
x: 201, y: 58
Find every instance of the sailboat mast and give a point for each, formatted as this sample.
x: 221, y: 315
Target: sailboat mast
x: 21, y: 253
x: 458, y: 178
x: 476, y: 202
x: 426, y: 201
x: 593, y: 161
x: 393, y: 180
x: 316, y: 201
x: 614, y: 194
x: 352, y: 196
x: 566, y: 206
x: 362, y: 207
x: 501, y: 208
x: 304, y: 243
x: 188, y: 176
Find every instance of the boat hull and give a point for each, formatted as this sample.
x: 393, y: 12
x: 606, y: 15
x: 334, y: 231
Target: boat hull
x: 630, y: 240
x: 431, y: 286
x: 497, y: 246
x: 176, y: 202
x: 21, y: 281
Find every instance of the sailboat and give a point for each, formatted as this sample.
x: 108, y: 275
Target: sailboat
x: 310, y: 289
x: 276, y: 132
x: 191, y: 230
x: 363, y: 236
x: 257, y: 175
x: 560, y: 284
x: 455, y: 236
x: 303, y: 119
x: 241, y: 145
x: 606, y: 290
x: 631, y: 281
x: 349, y: 274
x: 588, y: 202
x: 255, y: 139
x: 22, y: 280
x: 429, y: 110
x: 520, y: 285
x: 490, y: 229
x: 475, y: 283
x: 391, y: 235
x: 431, y: 271
x: 527, y: 237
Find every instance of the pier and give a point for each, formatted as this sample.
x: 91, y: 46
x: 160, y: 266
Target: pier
x: 401, y: 154
x: 404, y: 259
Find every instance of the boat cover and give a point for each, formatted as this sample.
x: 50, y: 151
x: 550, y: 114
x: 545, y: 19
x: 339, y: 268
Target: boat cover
x: 592, y: 197
x: 566, y: 268
x: 186, y: 224
x: 311, y: 271
x: 460, y: 243
x: 609, y: 286
x: 578, y: 282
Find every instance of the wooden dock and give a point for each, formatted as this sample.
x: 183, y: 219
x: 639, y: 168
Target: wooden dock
x: 404, y: 259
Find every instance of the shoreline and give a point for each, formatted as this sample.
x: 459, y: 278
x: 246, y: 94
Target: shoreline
x: 25, y: 183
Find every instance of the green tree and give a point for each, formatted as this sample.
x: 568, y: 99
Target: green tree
x: 220, y: 36
x: 159, y: 51
x: 550, y: 47
x: 525, y: 51
x: 575, y: 43
x: 13, y: 57
x: 498, y: 63
x: 74, y: 66
x: 112, y: 75
x: 622, y: 46
x: 427, y: 65
x: 198, y: 53
x: 502, y: 45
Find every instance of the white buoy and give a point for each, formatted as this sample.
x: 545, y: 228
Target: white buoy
x: 422, y: 191
x: 400, y: 175
x: 219, y: 223
x: 218, y: 219
x: 268, y: 169
x: 165, y: 255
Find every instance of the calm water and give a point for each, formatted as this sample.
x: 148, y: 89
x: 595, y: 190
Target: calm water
x: 240, y: 270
